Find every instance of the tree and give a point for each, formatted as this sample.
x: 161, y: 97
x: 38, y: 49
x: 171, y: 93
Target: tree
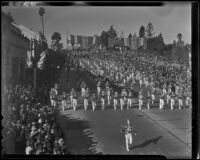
x: 104, y: 38
x: 142, y: 31
x: 111, y: 32
x: 180, y: 43
x: 150, y: 30
x: 55, y: 44
x: 130, y: 35
x: 179, y: 36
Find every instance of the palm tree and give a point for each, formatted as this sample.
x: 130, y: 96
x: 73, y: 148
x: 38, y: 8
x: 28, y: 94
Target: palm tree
x: 41, y: 13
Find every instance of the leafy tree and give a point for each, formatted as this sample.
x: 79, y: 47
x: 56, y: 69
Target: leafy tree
x: 55, y: 44
x: 180, y: 43
x: 104, y: 38
x: 142, y: 31
x: 179, y: 36
x: 112, y: 32
x: 130, y: 35
x: 150, y: 30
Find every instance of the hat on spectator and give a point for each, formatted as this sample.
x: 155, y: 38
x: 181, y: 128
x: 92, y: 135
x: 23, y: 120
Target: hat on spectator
x: 33, y: 128
x: 28, y: 150
x: 40, y: 121
x: 61, y: 141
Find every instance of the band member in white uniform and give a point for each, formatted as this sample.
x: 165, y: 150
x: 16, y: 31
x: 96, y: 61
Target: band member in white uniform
x: 153, y: 95
x: 129, y: 103
x: 103, y: 100
x: 54, y: 93
x: 122, y: 100
x: 188, y: 99
x: 128, y: 130
x: 74, y: 100
x: 64, y: 99
x: 168, y: 95
x: 108, y: 95
x: 140, y: 100
x: 172, y: 101
x: 98, y: 88
x: 148, y: 100
x: 83, y: 89
x: 86, y: 98
x: 125, y: 96
x: 71, y: 96
x: 161, y: 101
x: 115, y: 101
x: 93, y: 100
x: 180, y: 101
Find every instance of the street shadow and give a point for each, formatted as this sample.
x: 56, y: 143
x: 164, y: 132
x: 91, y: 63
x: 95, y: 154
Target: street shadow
x: 78, y: 140
x: 147, y: 142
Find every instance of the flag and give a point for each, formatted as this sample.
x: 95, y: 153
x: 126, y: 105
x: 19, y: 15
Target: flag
x: 28, y: 59
x: 30, y: 55
x: 40, y: 63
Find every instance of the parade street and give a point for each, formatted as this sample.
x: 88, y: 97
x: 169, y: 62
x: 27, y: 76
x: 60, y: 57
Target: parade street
x: 159, y: 132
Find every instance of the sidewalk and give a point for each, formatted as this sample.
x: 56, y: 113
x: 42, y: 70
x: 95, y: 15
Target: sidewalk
x: 176, y: 122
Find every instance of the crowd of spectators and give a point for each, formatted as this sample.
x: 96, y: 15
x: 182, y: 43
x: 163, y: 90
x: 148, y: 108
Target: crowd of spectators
x: 128, y: 67
x: 31, y: 123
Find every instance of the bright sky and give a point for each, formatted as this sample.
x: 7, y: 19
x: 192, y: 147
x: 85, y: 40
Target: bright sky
x: 87, y: 21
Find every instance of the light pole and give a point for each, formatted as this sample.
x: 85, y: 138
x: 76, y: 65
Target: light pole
x: 41, y: 13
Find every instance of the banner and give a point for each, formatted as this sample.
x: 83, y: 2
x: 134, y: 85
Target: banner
x: 30, y: 54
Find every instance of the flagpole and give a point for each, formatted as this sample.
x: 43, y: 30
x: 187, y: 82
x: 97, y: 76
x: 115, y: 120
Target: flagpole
x: 34, y: 68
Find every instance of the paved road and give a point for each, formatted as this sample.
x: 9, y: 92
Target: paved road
x: 103, y: 128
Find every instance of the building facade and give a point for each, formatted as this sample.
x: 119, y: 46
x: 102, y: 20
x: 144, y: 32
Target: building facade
x: 13, y: 52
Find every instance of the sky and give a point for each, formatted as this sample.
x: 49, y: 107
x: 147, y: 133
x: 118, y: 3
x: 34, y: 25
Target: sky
x: 169, y: 20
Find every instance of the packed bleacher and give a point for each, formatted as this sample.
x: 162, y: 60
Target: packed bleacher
x: 31, y: 123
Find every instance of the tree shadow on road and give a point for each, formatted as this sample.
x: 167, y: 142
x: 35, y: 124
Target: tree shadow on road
x: 147, y: 142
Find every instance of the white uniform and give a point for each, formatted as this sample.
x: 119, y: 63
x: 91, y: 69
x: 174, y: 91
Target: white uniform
x: 161, y: 101
x: 129, y: 103
x: 115, y: 101
x: 153, y: 96
x: 93, y: 99
x: 140, y: 101
x: 172, y: 103
x: 180, y: 102
x: 86, y: 100
x: 121, y: 102
x: 74, y: 101
x: 64, y: 104
x: 108, y: 96
x: 103, y: 101
x: 128, y: 136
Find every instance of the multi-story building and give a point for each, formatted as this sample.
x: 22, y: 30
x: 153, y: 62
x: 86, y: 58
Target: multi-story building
x: 13, y: 51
